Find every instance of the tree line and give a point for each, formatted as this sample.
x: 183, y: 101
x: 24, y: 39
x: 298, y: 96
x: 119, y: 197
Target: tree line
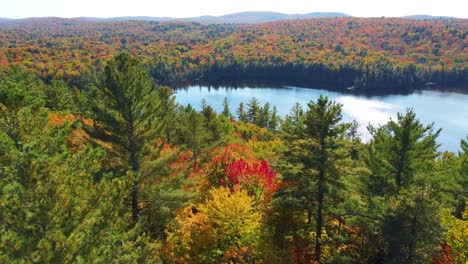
x: 377, y: 55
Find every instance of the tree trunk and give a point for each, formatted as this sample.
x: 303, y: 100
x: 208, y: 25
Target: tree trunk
x: 412, y: 242
x: 135, y: 208
x: 318, y: 231
x: 320, y: 194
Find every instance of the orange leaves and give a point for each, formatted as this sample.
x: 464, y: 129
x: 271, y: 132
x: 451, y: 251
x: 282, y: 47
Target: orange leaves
x: 79, y: 137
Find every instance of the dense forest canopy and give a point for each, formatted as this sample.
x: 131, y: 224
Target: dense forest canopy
x: 99, y: 164
x: 368, y: 54
x: 117, y: 172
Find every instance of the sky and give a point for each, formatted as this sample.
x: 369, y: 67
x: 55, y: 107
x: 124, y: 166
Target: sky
x: 192, y: 8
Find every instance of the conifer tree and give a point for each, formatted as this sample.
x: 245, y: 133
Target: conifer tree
x: 59, y: 97
x: 226, y: 112
x: 274, y: 120
x: 241, y: 114
x: 193, y: 131
x: 402, y: 155
x: 313, y: 165
x: 55, y: 201
x: 167, y: 111
x: 211, y: 123
x: 128, y: 115
x: 264, y: 116
x: 253, y: 110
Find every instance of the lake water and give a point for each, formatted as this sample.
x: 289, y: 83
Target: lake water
x: 448, y: 110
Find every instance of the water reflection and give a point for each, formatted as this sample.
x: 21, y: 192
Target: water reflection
x: 448, y: 110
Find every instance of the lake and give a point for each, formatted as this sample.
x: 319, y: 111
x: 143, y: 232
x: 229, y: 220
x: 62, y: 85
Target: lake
x: 448, y: 110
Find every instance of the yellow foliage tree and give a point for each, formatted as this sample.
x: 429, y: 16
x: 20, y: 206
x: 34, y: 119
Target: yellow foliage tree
x: 457, y: 236
x: 222, y: 229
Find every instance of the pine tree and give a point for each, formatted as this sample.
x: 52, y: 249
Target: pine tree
x: 312, y: 170
x: 226, y: 112
x: 241, y: 114
x: 211, y: 123
x: 55, y: 201
x: 193, y: 132
x: 253, y: 110
x: 274, y: 120
x: 264, y: 116
x: 322, y: 121
x: 128, y: 116
x: 59, y: 97
x: 402, y: 155
x: 167, y: 99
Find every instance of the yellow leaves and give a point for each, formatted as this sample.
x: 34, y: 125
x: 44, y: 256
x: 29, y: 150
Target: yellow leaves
x: 231, y: 212
x: 457, y: 235
x: 266, y: 150
x: 225, y: 225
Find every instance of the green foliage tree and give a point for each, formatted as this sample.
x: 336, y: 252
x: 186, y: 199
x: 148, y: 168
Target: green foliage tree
x: 241, y: 114
x: 264, y: 116
x: 193, y: 132
x: 226, y: 111
x: 313, y: 168
x: 129, y: 116
x: 59, y: 97
x: 167, y: 111
x: 401, y: 159
x: 52, y: 206
x: 211, y: 123
x: 126, y: 110
x: 274, y: 120
x: 253, y: 110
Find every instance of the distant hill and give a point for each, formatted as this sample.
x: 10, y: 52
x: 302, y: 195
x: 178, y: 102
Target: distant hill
x: 236, y: 18
x: 423, y: 17
x: 262, y: 17
x: 253, y: 17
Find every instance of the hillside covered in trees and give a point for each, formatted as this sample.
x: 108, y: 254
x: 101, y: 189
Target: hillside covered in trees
x: 117, y: 172
x: 371, y: 55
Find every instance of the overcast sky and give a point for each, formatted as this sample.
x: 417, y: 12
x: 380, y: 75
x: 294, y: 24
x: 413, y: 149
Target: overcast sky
x: 189, y: 8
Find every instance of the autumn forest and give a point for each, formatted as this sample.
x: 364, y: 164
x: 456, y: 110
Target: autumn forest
x: 100, y: 164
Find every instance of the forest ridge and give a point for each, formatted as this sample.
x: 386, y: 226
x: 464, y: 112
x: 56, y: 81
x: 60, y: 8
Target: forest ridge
x: 367, y: 54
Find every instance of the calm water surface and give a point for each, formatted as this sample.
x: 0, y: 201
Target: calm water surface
x: 447, y: 110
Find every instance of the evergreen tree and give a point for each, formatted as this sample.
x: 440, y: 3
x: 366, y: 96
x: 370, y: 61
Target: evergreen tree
x: 128, y: 114
x: 402, y: 155
x: 464, y: 145
x: 274, y: 120
x: 253, y: 110
x: 322, y: 121
x: 264, y: 116
x: 59, y: 97
x: 53, y: 208
x: 193, y: 132
x: 211, y: 123
x: 226, y: 112
x: 313, y: 165
x: 241, y: 114
x: 167, y: 112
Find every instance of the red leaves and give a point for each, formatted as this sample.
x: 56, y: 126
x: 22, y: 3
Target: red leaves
x: 444, y: 256
x: 256, y: 173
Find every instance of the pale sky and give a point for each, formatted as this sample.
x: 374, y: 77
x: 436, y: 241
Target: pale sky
x: 191, y: 8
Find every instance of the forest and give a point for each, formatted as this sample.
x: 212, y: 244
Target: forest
x: 99, y: 164
x: 365, y: 55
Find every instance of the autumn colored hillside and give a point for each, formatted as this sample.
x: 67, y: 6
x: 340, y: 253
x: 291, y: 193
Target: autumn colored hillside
x: 369, y: 54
